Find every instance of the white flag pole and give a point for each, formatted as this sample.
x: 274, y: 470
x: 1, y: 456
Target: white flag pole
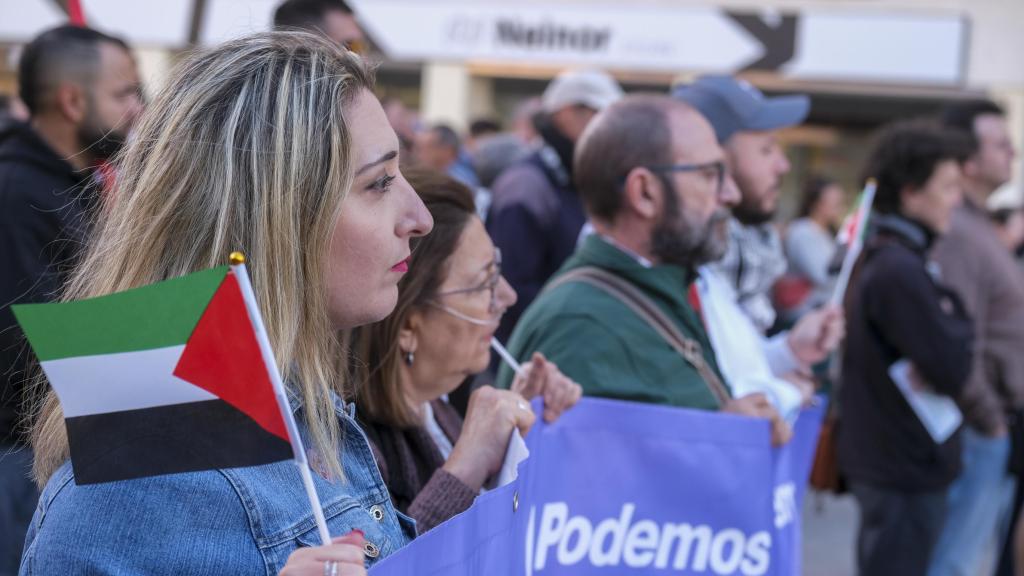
x: 238, y: 267
x: 856, y: 243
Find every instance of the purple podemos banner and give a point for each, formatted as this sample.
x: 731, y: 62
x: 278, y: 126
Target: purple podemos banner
x: 626, y: 488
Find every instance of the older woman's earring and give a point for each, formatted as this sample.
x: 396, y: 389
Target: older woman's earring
x: 410, y: 357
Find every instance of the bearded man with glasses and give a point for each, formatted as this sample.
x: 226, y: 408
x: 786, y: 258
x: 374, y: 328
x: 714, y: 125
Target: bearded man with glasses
x: 733, y: 292
x: 616, y: 317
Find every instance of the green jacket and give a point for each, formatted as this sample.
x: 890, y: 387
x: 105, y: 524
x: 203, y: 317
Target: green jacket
x: 601, y: 344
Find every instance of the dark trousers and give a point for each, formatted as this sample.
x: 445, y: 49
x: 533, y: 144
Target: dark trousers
x: 898, y: 530
x: 18, y: 498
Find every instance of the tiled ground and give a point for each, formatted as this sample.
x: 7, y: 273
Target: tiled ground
x: 830, y: 530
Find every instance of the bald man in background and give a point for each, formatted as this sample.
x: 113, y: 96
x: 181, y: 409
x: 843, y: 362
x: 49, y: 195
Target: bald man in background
x: 332, y: 18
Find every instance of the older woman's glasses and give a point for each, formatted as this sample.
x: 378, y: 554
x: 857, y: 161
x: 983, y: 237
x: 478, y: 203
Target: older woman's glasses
x: 489, y: 284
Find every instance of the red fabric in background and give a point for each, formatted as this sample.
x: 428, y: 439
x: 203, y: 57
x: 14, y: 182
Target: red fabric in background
x: 75, y: 15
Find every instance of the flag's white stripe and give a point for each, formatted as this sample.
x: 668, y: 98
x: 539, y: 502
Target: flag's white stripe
x: 123, y: 381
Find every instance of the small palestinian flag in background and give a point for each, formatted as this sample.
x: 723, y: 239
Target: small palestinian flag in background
x: 160, y: 379
x: 852, y: 235
x: 851, y: 228
x: 75, y: 15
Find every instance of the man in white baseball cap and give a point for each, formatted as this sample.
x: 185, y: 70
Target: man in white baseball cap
x: 537, y: 215
x: 583, y: 91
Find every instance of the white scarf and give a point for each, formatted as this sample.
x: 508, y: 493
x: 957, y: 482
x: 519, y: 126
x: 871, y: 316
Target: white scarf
x: 739, y: 347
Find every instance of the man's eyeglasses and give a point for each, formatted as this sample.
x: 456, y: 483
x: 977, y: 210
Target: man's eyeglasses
x: 489, y: 283
x: 718, y: 167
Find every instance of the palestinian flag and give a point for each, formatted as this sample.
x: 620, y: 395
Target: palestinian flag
x: 75, y: 15
x: 852, y: 236
x: 160, y: 379
x: 851, y: 224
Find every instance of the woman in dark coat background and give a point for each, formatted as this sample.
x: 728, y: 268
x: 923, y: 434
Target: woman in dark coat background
x: 898, y: 310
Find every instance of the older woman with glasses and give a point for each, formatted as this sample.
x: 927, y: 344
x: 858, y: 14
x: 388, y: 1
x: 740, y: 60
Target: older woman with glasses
x: 449, y: 305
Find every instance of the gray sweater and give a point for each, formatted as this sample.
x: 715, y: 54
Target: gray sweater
x: 809, y: 249
x: 990, y: 283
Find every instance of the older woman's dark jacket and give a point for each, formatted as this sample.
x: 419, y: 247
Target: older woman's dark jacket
x: 410, y: 463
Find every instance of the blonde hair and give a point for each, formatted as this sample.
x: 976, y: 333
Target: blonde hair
x: 247, y: 148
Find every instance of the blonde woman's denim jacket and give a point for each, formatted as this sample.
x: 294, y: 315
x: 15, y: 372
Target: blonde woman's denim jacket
x: 225, y: 521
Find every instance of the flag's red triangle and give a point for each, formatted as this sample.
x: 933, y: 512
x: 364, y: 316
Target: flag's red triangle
x: 75, y: 15
x: 223, y: 357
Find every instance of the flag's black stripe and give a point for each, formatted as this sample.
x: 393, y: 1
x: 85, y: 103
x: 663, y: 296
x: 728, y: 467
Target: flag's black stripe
x: 167, y: 440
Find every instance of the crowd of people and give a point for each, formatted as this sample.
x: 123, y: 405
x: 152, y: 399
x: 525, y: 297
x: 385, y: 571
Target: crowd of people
x: 625, y: 246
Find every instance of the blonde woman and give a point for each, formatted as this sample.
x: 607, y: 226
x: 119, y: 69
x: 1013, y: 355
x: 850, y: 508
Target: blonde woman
x: 273, y: 144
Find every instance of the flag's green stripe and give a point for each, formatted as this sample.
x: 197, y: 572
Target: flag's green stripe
x: 854, y: 211
x: 154, y: 316
x: 863, y: 232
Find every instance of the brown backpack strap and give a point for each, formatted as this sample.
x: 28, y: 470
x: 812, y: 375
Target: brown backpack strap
x: 646, y: 309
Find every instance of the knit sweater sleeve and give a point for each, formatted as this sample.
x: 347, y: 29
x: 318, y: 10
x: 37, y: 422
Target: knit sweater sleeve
x: 441, y: 498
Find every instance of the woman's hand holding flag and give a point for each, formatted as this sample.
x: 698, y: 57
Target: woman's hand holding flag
x: 342, y: 557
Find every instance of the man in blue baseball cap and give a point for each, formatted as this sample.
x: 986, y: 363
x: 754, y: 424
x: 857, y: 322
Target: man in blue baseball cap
x: 733, y: 293
x: 745, y: 123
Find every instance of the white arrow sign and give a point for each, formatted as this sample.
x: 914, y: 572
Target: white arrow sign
x: 828, y: 44
x: 643, y: 38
